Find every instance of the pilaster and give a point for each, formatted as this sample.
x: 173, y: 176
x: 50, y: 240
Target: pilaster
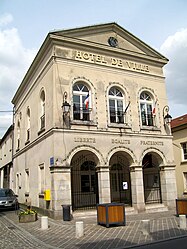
x: 168, y: 185
x: 104, y: 184
x: 137, y: 188
x: 60, y: 188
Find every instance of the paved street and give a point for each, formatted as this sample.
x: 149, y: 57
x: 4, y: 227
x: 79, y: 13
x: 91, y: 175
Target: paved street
x: 179, y: 242
x: 61, y: 234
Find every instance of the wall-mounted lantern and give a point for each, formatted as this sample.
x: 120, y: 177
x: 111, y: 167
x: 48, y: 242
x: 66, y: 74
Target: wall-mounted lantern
x: 166, y: 116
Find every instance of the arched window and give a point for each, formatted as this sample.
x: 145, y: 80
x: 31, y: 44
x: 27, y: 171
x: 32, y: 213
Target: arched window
x: 18, y: 135
x: 81, y: 102
x: 42, y: 110
x: 146, y: 106
x: 116, y: 100
x: 28, y: 125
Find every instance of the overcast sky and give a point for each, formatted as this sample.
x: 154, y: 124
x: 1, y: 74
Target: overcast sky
x: 24, y: 24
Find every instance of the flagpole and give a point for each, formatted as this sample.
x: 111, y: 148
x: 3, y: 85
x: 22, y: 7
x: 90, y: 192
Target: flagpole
x: 127, y: 108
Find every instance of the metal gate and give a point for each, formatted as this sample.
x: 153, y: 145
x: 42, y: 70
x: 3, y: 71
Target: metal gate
x: 151, y: 177
x: 120, y: 182
x: 84, y: 184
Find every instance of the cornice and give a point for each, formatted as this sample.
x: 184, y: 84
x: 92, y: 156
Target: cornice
x: 104, y: 28
x: 76, y: 43
x: 44, y: 49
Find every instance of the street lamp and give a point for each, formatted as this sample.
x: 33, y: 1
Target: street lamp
x: 66, y: 110
x: 167, y: 117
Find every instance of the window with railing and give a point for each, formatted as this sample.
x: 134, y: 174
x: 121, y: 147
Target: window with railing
x: 18, y: 136
x: 27, y: 180
x: 42, y: 110
x: 28, y: 134
x: 42, y: 122
x: 28, y: 125
x: 116, y: 110
x: 81, y: 102
x: 146, y: 106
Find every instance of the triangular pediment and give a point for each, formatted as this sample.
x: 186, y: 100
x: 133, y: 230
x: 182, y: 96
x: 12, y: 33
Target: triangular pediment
x: 101, y: 34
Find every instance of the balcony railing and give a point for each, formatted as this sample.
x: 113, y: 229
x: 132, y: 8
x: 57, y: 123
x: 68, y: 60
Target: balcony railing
x: 28, y: 134
x: 116, y: 117
x: 81, y: 114
x: 42, y: 122
x: 147, y: 119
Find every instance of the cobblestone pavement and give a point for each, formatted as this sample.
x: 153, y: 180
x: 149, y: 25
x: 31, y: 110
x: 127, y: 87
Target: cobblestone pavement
x: 61, y: 234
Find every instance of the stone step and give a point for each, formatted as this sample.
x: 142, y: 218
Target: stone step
x: 150, y: 208
x: 153, y: 208
x: 93, y: 213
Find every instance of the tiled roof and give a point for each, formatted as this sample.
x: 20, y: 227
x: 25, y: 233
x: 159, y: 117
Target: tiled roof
x: 176, y: 122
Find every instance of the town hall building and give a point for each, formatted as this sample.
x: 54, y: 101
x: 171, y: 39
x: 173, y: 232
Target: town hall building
x: 91, y: 124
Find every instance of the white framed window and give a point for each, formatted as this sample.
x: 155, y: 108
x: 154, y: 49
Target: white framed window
x: 41, y: 179
x: 146, y: 107
x: 18, y: 135
x: 27, y: 180
x: 28, y: 125
x: 116, y: 105
x: 18, y: 182
x: 42, y: 110
x: 184, y: 151
x: 81, y: 102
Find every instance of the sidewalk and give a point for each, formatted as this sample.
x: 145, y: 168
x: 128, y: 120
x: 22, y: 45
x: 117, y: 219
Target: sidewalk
x: 61, y: 234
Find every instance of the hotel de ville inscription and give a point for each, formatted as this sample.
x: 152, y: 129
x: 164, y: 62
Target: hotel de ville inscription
x: 110, y: 61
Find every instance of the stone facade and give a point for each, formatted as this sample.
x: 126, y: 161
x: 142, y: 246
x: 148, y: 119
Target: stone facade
x: 111, y: 145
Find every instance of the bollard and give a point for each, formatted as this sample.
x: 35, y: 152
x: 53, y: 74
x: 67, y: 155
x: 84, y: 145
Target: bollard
x: 146, y: 227
x: 44, y: 222
x: 182, y: 221
x: 79, y: 229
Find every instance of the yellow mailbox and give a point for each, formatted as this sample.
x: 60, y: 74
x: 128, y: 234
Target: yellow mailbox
x: 47, y: 195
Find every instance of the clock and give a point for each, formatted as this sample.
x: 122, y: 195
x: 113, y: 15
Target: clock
x: 112, y: 41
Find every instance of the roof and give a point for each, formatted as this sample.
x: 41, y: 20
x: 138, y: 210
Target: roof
x: 180, y: 121
x: 83, y: 32
x: 9, y: 130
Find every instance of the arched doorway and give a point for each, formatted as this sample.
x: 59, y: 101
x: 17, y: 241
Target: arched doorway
x: 120, y: 179
x: 84, y: 182
x: 151, y: 178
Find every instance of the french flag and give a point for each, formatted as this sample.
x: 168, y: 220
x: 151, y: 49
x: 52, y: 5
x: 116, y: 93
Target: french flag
x: 154, y: 109
x: 86, y: 101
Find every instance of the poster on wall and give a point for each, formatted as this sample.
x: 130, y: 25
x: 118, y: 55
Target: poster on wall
x: 125, y: 185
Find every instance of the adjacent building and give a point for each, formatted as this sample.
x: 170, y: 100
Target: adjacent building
x: 6, y: 152
x: 179, y: 132
x: 89, y: 124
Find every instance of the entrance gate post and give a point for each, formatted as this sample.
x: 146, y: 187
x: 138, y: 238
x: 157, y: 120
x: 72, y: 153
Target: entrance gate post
x: 104, y: 184
x: 60, y: 188
x: 168, y: 185
x: 137, y: 188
